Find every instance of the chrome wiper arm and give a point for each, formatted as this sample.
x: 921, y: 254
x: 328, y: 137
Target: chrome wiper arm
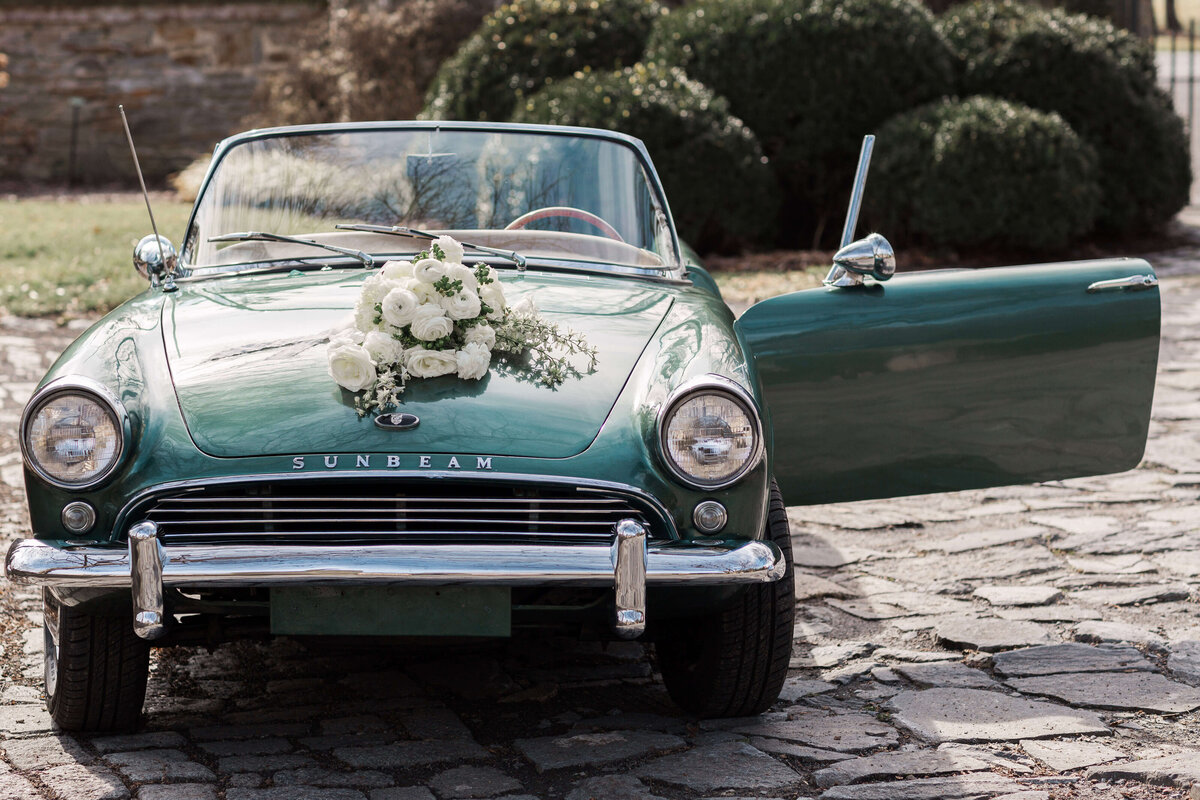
x: 400, y: 230
x: 259, y: 236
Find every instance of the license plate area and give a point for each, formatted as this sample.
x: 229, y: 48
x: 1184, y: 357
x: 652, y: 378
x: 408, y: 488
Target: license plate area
x: 391, y: 610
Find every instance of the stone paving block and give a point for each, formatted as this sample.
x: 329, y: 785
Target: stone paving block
x: 25, y: 720
x: 976, y: 715
x: 633, y: 721
x: 1019, y: 595
x: 45, y: 751
x: 1121, y: 691
x: 896, y: 764
x: 780, y: 747
x: 178, y: 791
x: 611, y: 787
x: 1184, y: 661
x: 831, y: 655
x: 558, y: 752
x: 318, y: 776
x: 1059, y: 612
x: 269, y: 763
x: 436, y: 723
x: 847, y: 733
x: 1109, y: 632
x: 406, y: 755
x: 73, y: 781
x: 1068, y: 657
x: 253, y: 731
x: 294, y: 793
x: 363, y: 723
x: 1067, y: 754
x: 809, y: 586
x: 1181, y: 769
x: 1184, y: 563
x: 138, y: 741
x: 142, y: 766
x: 962, y: 787
x: 17, y: 787
x: 1133, y: 595
x: 467, y: 782
x: 991, y: 634
x: 403, y: 793
x: 1125, y: 564
x: 978, y: 540
x: 732, y: 765
x: 946, y: 674
x: 246, y: 747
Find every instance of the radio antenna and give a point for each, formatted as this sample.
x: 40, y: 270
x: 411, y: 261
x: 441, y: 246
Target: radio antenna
x: 170, y: 283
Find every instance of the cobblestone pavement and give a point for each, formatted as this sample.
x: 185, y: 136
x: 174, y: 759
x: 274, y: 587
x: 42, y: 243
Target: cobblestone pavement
x: 1024, y: 643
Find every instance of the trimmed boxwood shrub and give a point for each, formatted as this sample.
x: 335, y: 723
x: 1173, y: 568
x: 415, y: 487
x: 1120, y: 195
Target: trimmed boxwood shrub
x: 810, y: 78
x: 1101, y: 80
x: 983, y: 172
x: 721, y: 189
x: 528, y: 43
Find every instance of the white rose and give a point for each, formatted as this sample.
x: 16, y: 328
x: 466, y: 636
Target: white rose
x: 464, y: 305
x: 424, y: 291
x: 424, y: 363
x: 525, y: 305
x: 428, y: 270
x: 350, y: 365
x: 482, y: 334
x: 383, y: 348
x: 473, y: 361
x: 397, y: 270
x: 493, y: 295
x: 457, y: 272
x: 430, y: 323
x: 346, y: 336
x: 399, y: 307
x: 452, y: 249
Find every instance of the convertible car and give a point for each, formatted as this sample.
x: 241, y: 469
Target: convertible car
x: 195, y: 474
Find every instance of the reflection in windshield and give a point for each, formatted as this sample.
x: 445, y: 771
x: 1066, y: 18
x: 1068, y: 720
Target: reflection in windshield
x: 438, y: 180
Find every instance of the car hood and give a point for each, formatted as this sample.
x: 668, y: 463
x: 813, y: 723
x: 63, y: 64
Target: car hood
x: 247, y: 356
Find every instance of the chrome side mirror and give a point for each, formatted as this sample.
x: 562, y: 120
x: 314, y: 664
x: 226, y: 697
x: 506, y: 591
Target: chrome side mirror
x: 155, y: 258
x: 870, y: 256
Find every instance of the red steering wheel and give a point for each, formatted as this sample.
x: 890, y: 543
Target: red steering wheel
x: 565, y: 211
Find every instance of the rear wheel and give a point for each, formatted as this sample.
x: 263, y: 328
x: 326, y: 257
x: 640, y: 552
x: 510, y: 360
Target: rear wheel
x: 95, y: 669
x: 733, y: 663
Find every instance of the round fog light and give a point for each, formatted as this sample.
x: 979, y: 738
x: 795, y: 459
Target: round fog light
x: 78, y: 517
x: 710, y: 516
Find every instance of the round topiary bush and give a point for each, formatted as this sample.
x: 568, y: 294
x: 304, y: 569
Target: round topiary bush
x: 526, y: 44
x: 810, y: 78
x: 1101, y: 80
x: 983, y: 172
x: 722, y: 192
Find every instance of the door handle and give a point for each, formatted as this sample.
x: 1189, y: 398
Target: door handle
x: 1134, y: 283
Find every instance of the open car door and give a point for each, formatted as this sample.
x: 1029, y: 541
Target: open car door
x: 957, y: 379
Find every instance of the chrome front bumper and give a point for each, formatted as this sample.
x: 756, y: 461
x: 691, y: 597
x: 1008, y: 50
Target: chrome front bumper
x: 628, y: 565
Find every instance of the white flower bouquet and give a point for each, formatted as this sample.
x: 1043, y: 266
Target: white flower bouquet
x: 435, y: 316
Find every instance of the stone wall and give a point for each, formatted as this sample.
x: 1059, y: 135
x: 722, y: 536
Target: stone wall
x: 186, y: 74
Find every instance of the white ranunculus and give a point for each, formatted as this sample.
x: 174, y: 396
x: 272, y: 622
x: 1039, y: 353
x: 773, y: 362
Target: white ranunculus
x: 473, y: 361
x: 424, y: 291
x: 424, y: 363
x: 493, y: 295
x: 452, y: 249
x: 375, y: 288
x: 383, y: 348
x: 400, y: 306
x: 345, y: 336
x: 350, y: 365
x: 489, y: 272
x: 396, y: 270
x: 457, y: 272
x: 428, y: 270
x: 364, y: 316
x: 525, y: 306
x: 464, y: 305
x: 430, y: 323
x: 483, y: 334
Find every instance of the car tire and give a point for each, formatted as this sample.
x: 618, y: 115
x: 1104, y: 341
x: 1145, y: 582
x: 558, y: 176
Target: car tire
x: 733, y: 663
x: 95, y: 669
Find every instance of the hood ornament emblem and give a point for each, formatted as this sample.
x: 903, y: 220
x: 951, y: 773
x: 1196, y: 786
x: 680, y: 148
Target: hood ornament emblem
x: 397, y: 422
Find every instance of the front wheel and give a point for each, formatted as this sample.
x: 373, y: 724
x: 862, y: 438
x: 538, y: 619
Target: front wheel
x: 95, y: 669
x: 733, y: 663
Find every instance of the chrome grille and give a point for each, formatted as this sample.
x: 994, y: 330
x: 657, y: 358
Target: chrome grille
x: 377, y: 512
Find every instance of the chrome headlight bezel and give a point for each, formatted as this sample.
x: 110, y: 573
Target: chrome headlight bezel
x: 95, y: 391
x: 709, y: 384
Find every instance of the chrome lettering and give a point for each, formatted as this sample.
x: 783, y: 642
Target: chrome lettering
x: 483, y: 463
x: 453, y: 463
x: 330, y: 462
x: 362, y: 461
x: 424, y: 461
x: 298, y: 462
x: 393, y: 461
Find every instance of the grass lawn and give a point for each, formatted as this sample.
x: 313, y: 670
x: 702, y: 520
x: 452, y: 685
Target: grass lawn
x: 71, y: 255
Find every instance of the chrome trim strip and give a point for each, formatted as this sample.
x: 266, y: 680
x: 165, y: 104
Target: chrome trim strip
x: 146, y: 581
x: 36, y: 562
x: 1133, y: 283
x: 721, y: 385
x: 628, y: 553
x: 79, y: 385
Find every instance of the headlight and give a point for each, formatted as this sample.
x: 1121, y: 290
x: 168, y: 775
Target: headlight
x: 71, y: 436
x: 710, y: 434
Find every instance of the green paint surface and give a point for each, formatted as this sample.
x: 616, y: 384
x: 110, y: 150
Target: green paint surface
x: 391, y: 611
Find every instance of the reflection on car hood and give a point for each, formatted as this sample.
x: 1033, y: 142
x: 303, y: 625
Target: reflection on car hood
x: 247, y: 356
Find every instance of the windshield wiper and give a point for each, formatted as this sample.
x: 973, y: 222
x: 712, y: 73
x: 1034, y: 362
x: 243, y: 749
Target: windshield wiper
x: 258, y: 236
x: 400, y: 230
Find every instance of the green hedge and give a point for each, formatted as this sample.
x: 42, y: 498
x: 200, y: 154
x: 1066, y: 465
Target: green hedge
x: 1101, y: 80
x: 722, y: 193
x: 527, y: 44
x: 983, y: 172
x: 810, y: 78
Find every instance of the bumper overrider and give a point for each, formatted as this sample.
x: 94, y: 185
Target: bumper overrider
x: 629, y: 564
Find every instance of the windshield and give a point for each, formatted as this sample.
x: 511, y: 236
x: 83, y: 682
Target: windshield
x: 558, y: 197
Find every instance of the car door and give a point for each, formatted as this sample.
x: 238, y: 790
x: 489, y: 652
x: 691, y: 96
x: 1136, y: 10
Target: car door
x: 957, y: 379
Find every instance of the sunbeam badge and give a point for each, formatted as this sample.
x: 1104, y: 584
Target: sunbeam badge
x: 397, y: 422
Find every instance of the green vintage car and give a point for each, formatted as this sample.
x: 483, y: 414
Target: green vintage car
x: 195, y: 475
